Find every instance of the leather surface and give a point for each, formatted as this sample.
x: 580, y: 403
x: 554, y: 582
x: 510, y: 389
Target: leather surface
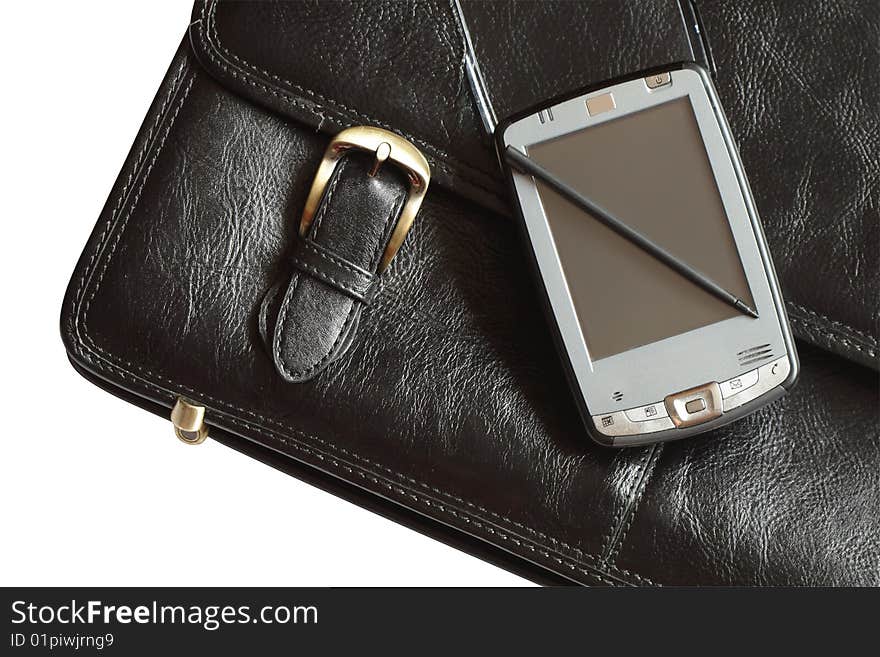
x: 451, y: 402
x: 522, y: 71
x: 800, y: 88
x: 818, y: 191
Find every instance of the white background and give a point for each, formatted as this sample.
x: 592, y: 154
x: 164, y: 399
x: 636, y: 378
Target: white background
x: 94, y: 491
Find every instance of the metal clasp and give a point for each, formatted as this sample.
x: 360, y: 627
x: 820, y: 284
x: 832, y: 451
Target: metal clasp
x: 387, y: 146
x: 189, y: 422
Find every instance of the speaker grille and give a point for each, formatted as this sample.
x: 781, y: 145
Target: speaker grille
x: 754, y: 355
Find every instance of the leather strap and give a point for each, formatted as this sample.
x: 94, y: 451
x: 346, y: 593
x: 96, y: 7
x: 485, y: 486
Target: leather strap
x: 311, y: 258
x: 503, y: 54
x: 309, y: 318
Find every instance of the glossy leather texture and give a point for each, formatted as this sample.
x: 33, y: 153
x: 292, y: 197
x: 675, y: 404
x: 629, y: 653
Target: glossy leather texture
x: 399, y: 65
x: 450, y: 404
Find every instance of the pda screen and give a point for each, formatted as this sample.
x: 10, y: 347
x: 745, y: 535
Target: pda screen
x: 650, y: 169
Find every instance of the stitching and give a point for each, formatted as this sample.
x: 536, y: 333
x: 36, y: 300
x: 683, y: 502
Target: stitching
x: 348, y: 320
x: 391, y: 486
x: 134, y: 203
x: 437, y: 162
x: 234, y: 420
x: 833, y: 337
x: 175, y: 84
x: 833, y: 322
x: 325, y: 253
x: 322, y: 456
x: 283, y: 327
x: 88, y: 345
x: 395, y: 211
x: 335, y: 104
x: 296, y: 445
x: 287, y: 440
x: 359, y: 294
x: 282, y: 316
x: 325, y: 203
x: 206, y: 41
x: 608, y: 538
x: 294, y: 283
x: 614, y: 550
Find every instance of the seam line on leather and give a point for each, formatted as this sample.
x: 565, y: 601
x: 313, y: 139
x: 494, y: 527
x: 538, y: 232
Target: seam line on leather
x: 291, y: 291
x: 133, y: 175
x: 124, y: 221
x: 634, y: 494
x: 205, y: 38
x: 98, y: 249
x: 833, y: 339
x: 212, y: 20
x: 142, y: 175
x: 615, y: 547
x: 635, y: 470
x: 332, y: 105
x: 327, y: 255
x: 317, y: 273
x: 833, y: 322
x: 836, y: 329
x: 351, y: 309
x: 552, y: 554
x: 533, y: 546
x: 87, y: 345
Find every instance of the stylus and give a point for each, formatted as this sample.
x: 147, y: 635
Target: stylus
x: 527, y: 165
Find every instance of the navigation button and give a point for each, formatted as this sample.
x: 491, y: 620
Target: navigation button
x: 695, y: 406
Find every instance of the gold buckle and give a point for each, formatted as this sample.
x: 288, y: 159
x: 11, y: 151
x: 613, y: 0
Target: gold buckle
x: 387, y: 146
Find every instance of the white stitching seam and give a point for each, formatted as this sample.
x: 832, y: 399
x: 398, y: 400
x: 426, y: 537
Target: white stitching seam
x: 437, y: 155
x: 212, y: 21
x: 80, y: 312
x: 88, y: 270
x: 131, y: 174
x: 359, y: 295
x: 833, y: 338
x: 205, y: 38
x: 281, y: 326
x: 624, y: 504
x: 832, y: 323
x: 325, y: 254
x: 630, y: 514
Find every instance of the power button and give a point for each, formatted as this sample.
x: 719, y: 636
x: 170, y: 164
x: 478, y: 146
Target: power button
x: 658, y: 80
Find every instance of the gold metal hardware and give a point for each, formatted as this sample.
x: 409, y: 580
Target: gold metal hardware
x: 189, y: 421
x: 387, y: 146
x: 695, y: 405
x: 382, y: 153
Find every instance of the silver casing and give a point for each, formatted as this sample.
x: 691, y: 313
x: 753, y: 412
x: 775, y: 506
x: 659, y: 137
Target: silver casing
x: 648, y: 374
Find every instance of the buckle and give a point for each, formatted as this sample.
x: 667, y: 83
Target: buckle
x: 387, y: 146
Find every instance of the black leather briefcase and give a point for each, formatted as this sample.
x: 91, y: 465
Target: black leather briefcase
x: 429, y: 390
